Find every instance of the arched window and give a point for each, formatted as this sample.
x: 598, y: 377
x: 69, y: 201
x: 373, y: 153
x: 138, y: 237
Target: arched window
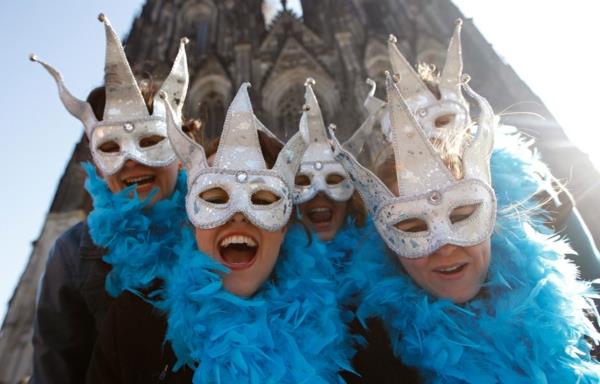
x: 212, y: 115
x: 197, y: 20
x: 289, y: 111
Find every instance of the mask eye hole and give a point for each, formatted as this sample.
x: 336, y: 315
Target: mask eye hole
x: 334, y: 178
x: 264, y: 197
x: 444, y: 120
x: 150, y: 141
x: 463, y: 212
x: 412, y: 225
x: 109, y: 147
x: 302, y: 180
x: 215, y: 196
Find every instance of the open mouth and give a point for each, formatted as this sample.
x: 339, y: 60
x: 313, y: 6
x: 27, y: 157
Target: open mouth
x: 139, y: 180
x: 238, y: 251
x: 451, y: 270
x: 320, y: 215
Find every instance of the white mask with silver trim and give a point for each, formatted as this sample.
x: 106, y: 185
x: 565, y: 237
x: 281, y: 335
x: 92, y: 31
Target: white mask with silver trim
x: 128, y: 130
x: 318, y: 167
x: 426, y: 189
x: 239, y: 169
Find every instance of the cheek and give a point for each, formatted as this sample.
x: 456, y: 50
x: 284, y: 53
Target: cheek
x: 113, y: 182
x: 205, y: 240
x: 340, y: 209
x: 272, y: 243
x: 416, y: 268
x: 167, y: 178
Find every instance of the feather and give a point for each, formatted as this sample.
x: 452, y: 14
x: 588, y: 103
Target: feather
x: 290, y: 331
x: 528, y: 323
x: 139, y: 238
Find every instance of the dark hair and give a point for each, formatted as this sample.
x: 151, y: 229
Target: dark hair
x: 356, y: 209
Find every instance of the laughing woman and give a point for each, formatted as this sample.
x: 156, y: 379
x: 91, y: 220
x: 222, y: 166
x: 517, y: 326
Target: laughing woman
x: 469, y: 287
x: 248, y: 301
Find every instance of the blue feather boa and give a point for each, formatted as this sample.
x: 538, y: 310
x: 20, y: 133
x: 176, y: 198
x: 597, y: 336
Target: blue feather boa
x: 340, y: 251
x: 139, y: 238
x: 528, y: 323
x: 290, y: 331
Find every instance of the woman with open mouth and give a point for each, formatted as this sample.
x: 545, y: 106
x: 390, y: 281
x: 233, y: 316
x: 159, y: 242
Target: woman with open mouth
x: 250, y: 299
x: 126, y: 241
x: 468, y: 286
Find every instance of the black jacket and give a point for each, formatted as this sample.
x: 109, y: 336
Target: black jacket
x: 375, y: 362
x: 131, y: 349
x: 70, y: 308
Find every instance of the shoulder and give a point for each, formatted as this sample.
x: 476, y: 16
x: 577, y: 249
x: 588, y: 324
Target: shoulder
x: 65, y: 250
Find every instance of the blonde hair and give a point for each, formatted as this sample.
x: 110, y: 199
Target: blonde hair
x: 450, y: 148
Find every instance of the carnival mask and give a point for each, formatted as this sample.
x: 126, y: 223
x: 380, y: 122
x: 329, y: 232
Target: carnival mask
x: 128, y: 130
x: 319, y: 171
x: 239, y: 169
x: 427, y: 191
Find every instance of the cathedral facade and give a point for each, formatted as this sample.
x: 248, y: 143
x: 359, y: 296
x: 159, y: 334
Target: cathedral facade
x: 339, y: 43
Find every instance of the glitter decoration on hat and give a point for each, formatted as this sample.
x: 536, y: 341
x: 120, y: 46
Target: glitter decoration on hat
x: 373, y: 137
x: 126, y: 121
x: 322, y: 172
x: 427, y: 190
x: 239, y: 169
x: 438, y: 116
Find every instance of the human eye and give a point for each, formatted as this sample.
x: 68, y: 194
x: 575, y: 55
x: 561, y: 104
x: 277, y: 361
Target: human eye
x: 412, y: 225
x: 150, y: 141
x: 264, y: 197
x: 215, y: 196
x: 109, y: 147
x: 462, y: 213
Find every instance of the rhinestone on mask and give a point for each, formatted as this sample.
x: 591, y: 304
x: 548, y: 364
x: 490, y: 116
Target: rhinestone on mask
x: 318, y: 165
x: 128, y: 127
x: 422, y: 112
x: 435, y: 198
x: 241, y: 177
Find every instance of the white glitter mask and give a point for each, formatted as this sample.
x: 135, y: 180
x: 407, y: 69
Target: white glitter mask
x: 320, y: 169
x: 127, y: 130
x: 427, y: 189
x: 239, y: 169
x: 439, y: 117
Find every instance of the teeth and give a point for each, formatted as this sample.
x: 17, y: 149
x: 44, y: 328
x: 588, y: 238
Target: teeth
x: 238, y: 239
x: 322, y: 209
x: 133, y: 180
x: 449, y: 269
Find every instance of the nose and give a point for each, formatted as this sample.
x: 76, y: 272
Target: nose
x: 238, y: 218
x: 446, y: 250
x: 129, y: 164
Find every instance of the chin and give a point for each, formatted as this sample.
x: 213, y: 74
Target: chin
x: 239, y: 288
x: 326, y: 235
x: 462, y: 296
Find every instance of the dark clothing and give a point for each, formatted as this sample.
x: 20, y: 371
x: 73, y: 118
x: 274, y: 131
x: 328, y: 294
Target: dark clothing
x: 375, y: 362
x: 131, y: 348
x: 71, y: 304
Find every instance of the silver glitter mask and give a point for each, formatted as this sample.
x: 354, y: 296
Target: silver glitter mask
x: 426, y: 189
x: 126, y: 121
x: 239, y: 169
x: 377, y: 141
x: 438, y: 117
x: 324, y: 173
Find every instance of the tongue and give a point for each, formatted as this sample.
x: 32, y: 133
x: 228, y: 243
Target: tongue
x: 320, y: 216
x: 238, y: 254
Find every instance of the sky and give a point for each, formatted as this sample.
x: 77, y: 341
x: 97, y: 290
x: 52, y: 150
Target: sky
x: 551, y: 44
